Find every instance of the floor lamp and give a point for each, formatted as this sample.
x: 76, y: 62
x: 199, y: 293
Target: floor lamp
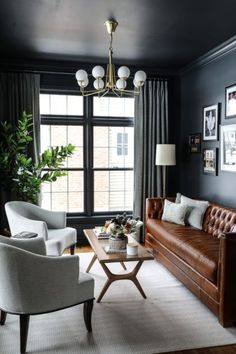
x: 165, y: 156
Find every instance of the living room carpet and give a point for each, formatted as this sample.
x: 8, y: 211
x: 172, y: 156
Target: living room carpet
x: 171, y: 318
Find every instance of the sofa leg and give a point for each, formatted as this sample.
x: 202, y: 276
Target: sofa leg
x: 88, y: 307
x: 24, y: 326
x: 3, y: 317
x: 72, y: 250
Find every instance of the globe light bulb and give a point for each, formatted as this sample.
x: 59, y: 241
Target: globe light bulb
x: 135, y: 83
x: 98, y: 84
x: 84, y: 83
x: 98, y: 72
x: 123, y: 72
x: 81, y: 75
x: 121, y: 84
x: 140, y: 77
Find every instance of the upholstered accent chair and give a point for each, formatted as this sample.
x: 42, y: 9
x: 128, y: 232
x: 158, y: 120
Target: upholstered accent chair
x: 51, y: 225
x: 29, y: 280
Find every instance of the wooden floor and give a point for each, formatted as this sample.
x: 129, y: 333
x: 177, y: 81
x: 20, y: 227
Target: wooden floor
x: 227, y: 349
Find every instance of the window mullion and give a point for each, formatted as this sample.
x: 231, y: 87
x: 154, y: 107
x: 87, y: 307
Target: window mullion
x: 89, y: 156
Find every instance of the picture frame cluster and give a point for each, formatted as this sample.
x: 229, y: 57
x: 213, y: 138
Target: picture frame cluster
x: 213, y: 132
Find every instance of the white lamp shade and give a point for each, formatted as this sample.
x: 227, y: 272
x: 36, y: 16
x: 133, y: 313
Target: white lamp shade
x: 98, y: 72
x: 81, y: 75
x: 140, y: 76
x: 121, y: 84
x: 98, y: 84
x: 165, y: 155
x: 123, y: 72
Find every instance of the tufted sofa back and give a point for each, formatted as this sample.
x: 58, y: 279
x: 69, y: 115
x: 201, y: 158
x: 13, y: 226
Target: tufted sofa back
x: 219, y: 219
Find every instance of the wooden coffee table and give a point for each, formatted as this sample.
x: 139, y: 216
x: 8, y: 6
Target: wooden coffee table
x: 103, y: 258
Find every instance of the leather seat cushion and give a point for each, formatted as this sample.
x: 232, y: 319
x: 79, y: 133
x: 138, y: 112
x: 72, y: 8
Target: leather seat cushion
x: 197, y: 248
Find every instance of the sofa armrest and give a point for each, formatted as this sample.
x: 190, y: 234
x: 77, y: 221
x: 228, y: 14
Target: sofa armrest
x: 154, y: 207
x: 227, y: 278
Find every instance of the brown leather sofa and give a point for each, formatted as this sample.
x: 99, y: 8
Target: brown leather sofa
x: 204, y: 260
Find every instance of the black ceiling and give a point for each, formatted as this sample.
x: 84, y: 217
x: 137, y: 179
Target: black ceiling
x: 156, y: 33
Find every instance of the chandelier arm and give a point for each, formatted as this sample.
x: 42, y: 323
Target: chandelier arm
x: 92, y: 92
x: 107, y: 90
x: 136, y: 92
x: 117, y: 92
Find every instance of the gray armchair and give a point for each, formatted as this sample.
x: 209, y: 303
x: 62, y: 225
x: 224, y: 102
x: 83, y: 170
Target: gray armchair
x: 33, y: 283
x: 51, y: 225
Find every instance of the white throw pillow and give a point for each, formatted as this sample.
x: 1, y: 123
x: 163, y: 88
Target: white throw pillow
x: 174, y: 212
x: 178, y: 198
x: 196, y: 211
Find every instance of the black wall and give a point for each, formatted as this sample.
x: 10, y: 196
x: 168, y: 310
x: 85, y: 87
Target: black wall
x: 200, y: 87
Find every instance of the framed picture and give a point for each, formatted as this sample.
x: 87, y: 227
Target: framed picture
x: 210, y: 161
x: 195, y: 142
x: 228, y: 147
x: 210, y: 122
x: 230, y: 101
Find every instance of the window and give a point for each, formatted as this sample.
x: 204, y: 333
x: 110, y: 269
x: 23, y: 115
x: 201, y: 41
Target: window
x: 122, y: 144
x: 100, y: 172
x: 113, y: 107
x: 113, y: 172
x: 69, y: 105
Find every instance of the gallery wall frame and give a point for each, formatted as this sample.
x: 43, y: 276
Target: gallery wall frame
x: 211, y: 122
x: 194, y: 142
x: 228, y: 147
x: 230, y: 101
x: 210, y: 161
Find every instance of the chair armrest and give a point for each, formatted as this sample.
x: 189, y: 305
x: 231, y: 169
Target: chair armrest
x: 24, y: 224
x: 44, y: 283
x: 227, y: 278
x: 35, y: 245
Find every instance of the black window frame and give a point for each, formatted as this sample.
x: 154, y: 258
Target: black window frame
x: 88, y: 121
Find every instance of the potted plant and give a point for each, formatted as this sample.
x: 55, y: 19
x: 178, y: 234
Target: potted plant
x: 18, y: 171
x: 119, y: 228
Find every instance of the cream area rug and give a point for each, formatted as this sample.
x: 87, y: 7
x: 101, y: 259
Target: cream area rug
x: 171, y: 318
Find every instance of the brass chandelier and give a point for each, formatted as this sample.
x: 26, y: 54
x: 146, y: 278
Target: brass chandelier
x: 110, y: 83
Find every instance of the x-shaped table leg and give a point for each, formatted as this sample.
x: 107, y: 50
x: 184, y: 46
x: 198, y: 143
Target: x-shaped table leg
x: 127, y: 276
x: 91, y: 263
x: 94, y: 259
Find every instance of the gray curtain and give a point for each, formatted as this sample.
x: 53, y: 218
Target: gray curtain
x: 19, y: 92
x: 150, y: 128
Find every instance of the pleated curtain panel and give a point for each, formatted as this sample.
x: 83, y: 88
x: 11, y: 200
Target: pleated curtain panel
x: 19, y: 92
x: 150, y: 128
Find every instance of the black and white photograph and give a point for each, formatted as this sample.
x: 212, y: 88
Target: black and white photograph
x: 228, y: 147
x: 230, y: 101
x: 210, y: 122
x: 210, y: 157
